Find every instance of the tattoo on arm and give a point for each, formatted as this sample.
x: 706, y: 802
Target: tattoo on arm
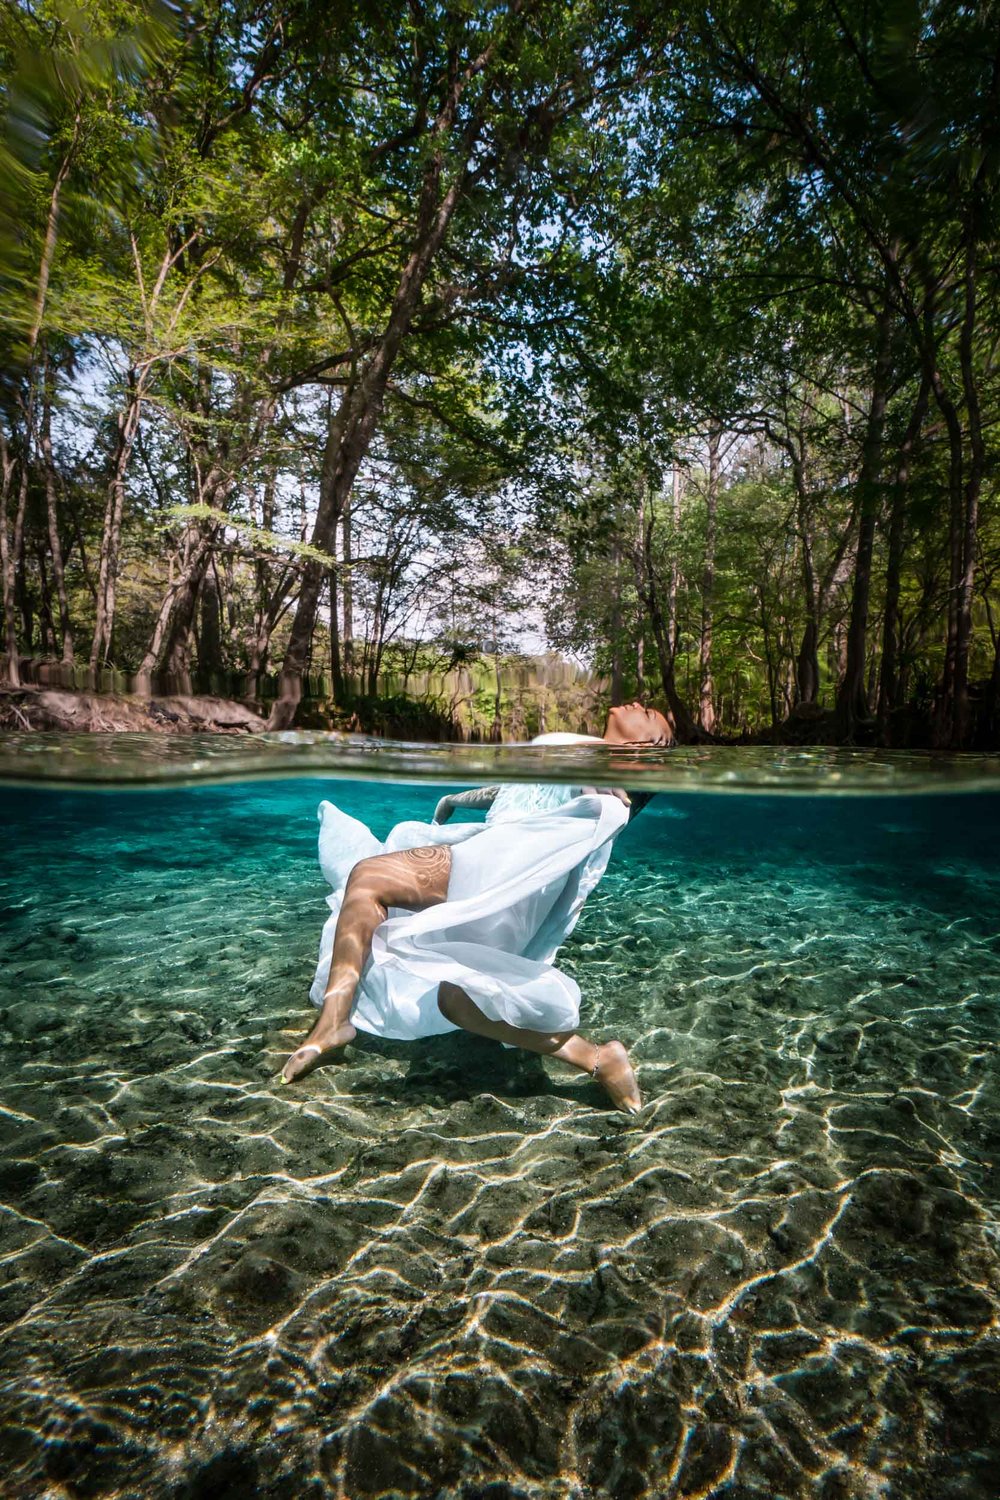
x: 478, y: 796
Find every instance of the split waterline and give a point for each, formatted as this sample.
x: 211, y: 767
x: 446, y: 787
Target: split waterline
x: 136, y: 760
x: 445, y: 1269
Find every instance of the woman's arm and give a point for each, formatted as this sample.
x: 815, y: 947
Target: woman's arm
x: 478, y: 796
x: 608, y: 791
x: 634, y: 801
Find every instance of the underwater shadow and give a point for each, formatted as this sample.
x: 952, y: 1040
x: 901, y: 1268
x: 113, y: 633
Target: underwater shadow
x: 461, y: 1067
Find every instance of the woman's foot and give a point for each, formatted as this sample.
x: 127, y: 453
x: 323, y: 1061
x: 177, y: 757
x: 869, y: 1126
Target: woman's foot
x: 324, y: 1045
x: 615, y: 1074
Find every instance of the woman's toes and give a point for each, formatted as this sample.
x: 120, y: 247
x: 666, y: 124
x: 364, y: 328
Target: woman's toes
x: 615, y: 1072
x: 302, y: 1061
x: 313, y: 1054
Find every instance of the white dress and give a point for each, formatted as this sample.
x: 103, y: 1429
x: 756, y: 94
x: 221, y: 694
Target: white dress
x: 516, y: 889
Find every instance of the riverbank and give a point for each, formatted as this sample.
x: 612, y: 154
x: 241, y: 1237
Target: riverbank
x: 427, y: 718
x: 40, y: 708
x: 485, y: 699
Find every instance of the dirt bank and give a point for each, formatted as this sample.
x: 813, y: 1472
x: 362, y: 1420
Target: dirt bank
x: 31, y: 707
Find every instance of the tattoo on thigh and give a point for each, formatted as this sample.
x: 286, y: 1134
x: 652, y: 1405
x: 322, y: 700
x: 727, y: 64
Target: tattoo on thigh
x: 429, y: 865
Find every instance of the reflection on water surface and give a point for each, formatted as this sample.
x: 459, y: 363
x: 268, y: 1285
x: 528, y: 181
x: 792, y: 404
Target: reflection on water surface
x: 445, y: 1269
x: 156, y: 759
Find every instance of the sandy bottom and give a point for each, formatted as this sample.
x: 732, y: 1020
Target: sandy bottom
x: 445, y: 1270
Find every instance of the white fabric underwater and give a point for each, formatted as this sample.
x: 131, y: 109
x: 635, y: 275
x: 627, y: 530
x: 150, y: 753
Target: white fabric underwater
x: 517, y: 886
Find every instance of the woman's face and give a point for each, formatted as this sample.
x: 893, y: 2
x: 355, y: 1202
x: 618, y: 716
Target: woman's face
x: 631, y: 724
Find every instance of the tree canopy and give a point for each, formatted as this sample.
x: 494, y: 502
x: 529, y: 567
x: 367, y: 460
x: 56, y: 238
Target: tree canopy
x: 343, y: 339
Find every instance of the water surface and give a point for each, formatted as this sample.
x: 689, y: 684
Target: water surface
x: 118, y: 760
x: 446, y: 1269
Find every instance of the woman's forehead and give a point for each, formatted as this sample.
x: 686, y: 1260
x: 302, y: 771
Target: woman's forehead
x: 635, y: 713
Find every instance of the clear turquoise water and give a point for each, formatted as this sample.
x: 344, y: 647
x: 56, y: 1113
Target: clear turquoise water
x: 444, y: 1269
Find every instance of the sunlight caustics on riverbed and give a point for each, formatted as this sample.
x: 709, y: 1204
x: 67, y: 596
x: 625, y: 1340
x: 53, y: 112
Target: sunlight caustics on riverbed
x: 445, y: 1269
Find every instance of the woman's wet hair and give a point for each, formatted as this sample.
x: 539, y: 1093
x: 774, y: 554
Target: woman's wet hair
x: 635, y: 724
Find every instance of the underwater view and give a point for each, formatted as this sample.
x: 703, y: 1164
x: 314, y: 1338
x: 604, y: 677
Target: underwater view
x: 444, y: 1268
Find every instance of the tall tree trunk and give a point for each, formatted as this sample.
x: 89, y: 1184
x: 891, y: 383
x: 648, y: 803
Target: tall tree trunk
x: 177, y: 649
x: 350, y: 433
x: 945, y: 716
x: 807, y: 661
x: 278, y: 604
x: 788, y: 684
x: 769, y: 664
x: 336, y: 660
x: 55, y: 546
x: 973, y: 486
x: 372, y: 655
x: 945, y: 709
x: 127, y: 427
x: 46, y: 625
x: 990, y: 725
x: 617, y: 684
x: 217, y: 472
x: 347, y: 534
x: 888, y: 693
x: 640, y: 653
x: 706, y: 706
x: 852, y: 699
x: 14, y: 571
x: 231, y: 608
x: 21, y: 595
x: 176, y: 616
x: 686, y: 728
x: 210, y: 662
x: 7, y: 469
x: 672, y: 622
x: 496, y: 729
x: 181, y: 597
x: 263, y: 588
x: 51, y: 234
x: 793, y: 441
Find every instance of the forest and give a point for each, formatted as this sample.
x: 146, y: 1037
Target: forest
x: 345, y: 343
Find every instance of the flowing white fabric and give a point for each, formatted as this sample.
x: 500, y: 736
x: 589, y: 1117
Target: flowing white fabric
x: 517, y: 886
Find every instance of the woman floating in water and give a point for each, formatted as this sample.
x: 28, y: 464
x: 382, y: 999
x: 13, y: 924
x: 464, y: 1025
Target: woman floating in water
x: 462, y: 923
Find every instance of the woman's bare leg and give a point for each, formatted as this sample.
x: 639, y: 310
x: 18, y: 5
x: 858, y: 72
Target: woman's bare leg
x: 608, y: 1062
x: 412, y: 879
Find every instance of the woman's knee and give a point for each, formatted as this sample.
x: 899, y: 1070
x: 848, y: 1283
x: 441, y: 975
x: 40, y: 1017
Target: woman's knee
x: 451, y: 1001
x: 375, y: 879
x: 367, y: 871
